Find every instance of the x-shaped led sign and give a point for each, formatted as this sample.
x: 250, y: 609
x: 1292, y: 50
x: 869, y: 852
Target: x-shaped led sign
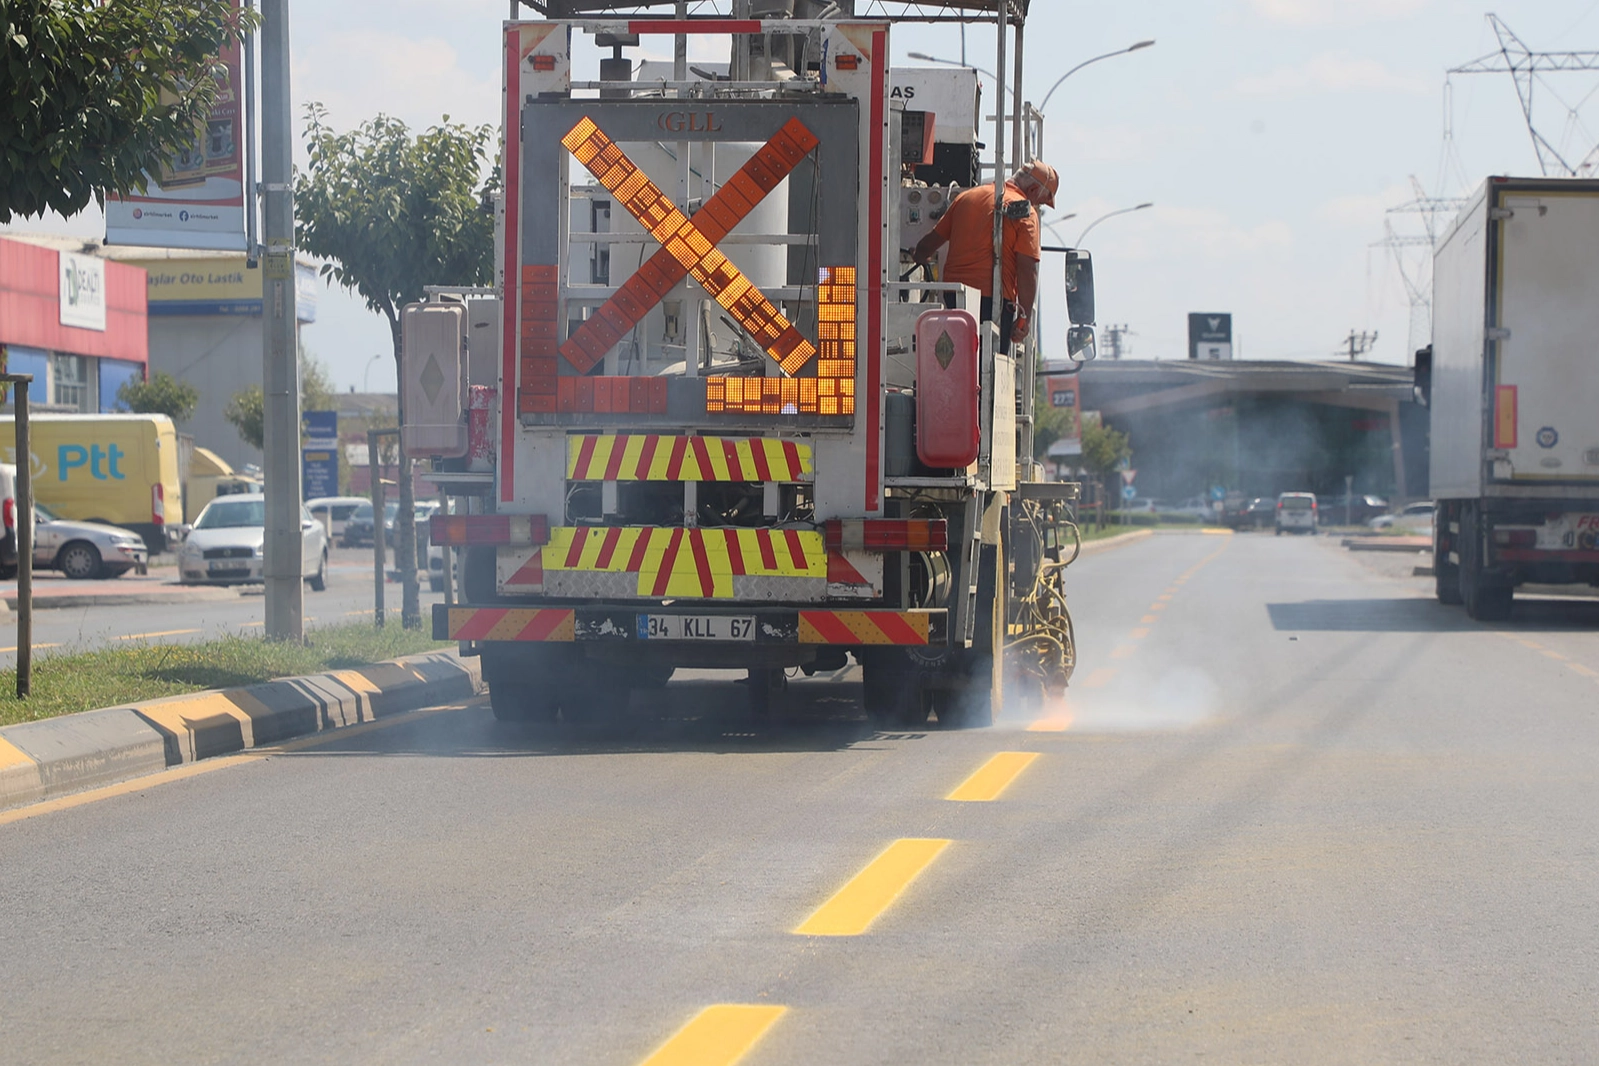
x: 688, y: 246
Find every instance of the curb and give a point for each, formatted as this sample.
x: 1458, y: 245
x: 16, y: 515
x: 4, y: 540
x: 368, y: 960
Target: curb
x: 1107, y: 543
x: 43, y: 601
x: 56, y: 756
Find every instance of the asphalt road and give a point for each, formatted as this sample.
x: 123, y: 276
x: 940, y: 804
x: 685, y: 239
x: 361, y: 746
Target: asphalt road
x: 1293, y: 811
x: 185, y: 618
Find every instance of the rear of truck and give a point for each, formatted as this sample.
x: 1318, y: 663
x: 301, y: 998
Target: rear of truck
x: 698, y: 448
x: 1514, y: 391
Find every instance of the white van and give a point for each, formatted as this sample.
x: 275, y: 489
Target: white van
x: 1297, y: 512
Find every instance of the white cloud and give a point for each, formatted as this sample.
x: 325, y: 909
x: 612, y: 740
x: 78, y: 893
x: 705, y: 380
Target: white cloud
x: 417, y: 80
x: 1342, y: 12
x: 1331, y: 72
x: 1364, y: 210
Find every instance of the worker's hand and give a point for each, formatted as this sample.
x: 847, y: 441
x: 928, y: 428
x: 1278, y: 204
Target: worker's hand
x: 1018, y: 331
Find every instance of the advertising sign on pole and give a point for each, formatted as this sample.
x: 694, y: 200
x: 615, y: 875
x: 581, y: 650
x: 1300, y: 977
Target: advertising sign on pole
x: 320, y: 427
x: 197, y: 200
x: 319, y: 471
x: 1063, y: 396
x: 1210, y: 336
x: 82, y: 291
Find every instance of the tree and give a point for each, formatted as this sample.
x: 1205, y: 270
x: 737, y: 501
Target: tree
x: 1104, y: 448
x: 163, y: 394
x: 247, y: 409
x: 393, y: 214
x: 97, y: 95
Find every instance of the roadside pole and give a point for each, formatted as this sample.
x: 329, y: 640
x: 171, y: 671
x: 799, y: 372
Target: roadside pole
x: 283, y: 565
x: 24, y: 514
x: 375, y: 465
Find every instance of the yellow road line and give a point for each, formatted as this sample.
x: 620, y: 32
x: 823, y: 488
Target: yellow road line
x: 1157, y: 606
x: 36, y: 647
x: 163, y: 633
x: 1123, y: 652
x: 993, y: 777
x: 719, y: 1035
x: 869, y: 893
x: 1217, y: 532
x: 1139, y: 633
x: 1553, y: 654
x: 194, y: 769
x: 1055, y: 723
x: 1147, y: 619
x: 1583, y: 670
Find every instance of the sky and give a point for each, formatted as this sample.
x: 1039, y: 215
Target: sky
x: 1270, y: 135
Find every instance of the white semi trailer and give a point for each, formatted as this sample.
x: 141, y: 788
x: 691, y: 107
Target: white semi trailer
x: 1512, y: 380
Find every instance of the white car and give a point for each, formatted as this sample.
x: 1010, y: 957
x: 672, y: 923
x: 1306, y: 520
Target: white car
x: 1297, y: 512
x: 334, y: 511
x: 225, y: 545
x: 84, y: 550
x: 1414, y: 519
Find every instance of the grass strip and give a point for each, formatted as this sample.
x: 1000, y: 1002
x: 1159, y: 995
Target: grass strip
x: 106, y: 677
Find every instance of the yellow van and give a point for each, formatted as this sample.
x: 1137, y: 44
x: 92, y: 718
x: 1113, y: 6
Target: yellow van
x: 211, y: 476
x: 118, y: 469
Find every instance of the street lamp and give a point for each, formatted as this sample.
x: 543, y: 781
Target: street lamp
x: 367, y: 373
x: 1084, y: 63
x: 1111, y: 214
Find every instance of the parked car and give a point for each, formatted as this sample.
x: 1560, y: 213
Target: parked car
x: 1260, y: 513
x: 358, y: 532
x: 335, y: 511
x: 1358, y: 509
x: 1296, y: 512
x: 1197, y: 506
x: 1414, y: 519
x: 225, y: 545
x: 84, y: 550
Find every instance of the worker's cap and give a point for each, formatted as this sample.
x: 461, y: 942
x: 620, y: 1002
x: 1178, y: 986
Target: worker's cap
x: 1045, y: 175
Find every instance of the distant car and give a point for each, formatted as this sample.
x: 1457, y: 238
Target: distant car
x: 334, y: 511
x: 1414, y: 519
x: 1260, y: 513
x: 358, y: 530
x: 1142, y: 504
x: 84, y: 550
x: 8, y: 521
x: 1296, y: 512
x: 1198, y: 506
x: 225, y: 545
x: 1359, y: 508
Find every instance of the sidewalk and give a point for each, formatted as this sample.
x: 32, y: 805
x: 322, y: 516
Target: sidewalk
x: 51, y: 589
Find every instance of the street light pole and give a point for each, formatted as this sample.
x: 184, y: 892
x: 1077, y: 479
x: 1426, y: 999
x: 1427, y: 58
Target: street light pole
x: 1084, y: 63
x: 280, y: 378
x: 1111, y: 214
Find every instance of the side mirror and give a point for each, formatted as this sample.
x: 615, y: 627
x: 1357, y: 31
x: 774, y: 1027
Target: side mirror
x: 1080, y: 344
x: 1080, y: 287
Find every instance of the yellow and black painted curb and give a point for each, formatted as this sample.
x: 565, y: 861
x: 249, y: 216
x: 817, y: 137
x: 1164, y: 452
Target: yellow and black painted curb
x: 42, y: 760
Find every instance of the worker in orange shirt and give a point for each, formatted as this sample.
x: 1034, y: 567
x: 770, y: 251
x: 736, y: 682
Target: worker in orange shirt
x: 968, y: 227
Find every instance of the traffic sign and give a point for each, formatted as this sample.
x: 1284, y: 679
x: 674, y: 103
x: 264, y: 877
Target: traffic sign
x: 1128, y: 492
x: 1217, y: 492
x: 1128, y: 475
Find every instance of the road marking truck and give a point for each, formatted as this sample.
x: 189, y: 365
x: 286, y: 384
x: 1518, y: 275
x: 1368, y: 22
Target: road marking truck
x: 705, y: 419
x: 1513, y: 386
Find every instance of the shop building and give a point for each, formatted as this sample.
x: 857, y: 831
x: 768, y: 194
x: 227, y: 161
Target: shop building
x: 78, y: 323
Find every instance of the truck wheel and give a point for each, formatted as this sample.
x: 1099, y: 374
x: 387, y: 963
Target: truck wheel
x: 1487, y: 597
x: 1445, y: 574
x: 766, y: 688
x: 893, y: 692
x: 517, y: 692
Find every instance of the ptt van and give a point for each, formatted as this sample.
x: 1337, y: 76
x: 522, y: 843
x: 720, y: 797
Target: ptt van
x: 118, y: 469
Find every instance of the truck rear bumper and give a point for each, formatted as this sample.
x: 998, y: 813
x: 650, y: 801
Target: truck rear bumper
x: 620, y: 625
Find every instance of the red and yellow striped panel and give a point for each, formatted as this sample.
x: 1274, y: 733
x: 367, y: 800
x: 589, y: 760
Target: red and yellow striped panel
x: 510, y: 623
x: 686, y: 562
x: 622, y: 457
x: 862, y: 627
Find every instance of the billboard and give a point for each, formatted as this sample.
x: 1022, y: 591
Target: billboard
x: 82, y: 293
x: 217, y: 285
x: 1063, y: 396
x: 1210, y: 336
x: 197, y: 200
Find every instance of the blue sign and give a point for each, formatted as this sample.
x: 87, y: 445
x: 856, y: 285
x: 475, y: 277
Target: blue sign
x: 319, y: 472
x: 1217, y: 492
x: 320, y: 425
x: 1128, y: 492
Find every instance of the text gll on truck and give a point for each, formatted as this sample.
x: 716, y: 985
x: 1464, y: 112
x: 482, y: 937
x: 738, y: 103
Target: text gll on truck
x: 707, y: 419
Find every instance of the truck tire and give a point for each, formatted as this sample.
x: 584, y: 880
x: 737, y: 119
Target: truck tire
x: 1487, y: 597
x: 1445, y: 574
x: 516, y: 691
x: 894, y: 690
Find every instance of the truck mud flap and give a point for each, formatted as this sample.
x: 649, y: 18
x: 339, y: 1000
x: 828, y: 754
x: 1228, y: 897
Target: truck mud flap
x: 849, y: 628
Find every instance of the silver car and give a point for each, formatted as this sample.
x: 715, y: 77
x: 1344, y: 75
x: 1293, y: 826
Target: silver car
x: 84, y: 550
x: 225, y: 545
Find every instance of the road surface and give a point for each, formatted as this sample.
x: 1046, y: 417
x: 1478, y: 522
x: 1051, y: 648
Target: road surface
x: 1293, y: 811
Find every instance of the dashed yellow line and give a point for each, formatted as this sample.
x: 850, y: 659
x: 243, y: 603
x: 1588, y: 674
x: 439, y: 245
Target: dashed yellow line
x: 993, y: 777
x: 853, y: 908
x: 1139, y: 633
x: 36, y: 647
x: 719, y: 1035
x: 1123, y: 651
x: 162, y: 633
x: 1148, y: 619
x: 1583, y: 670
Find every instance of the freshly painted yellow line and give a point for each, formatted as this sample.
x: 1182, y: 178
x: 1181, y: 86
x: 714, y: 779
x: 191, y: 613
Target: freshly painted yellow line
x: 1553, y: 654
x: 1055, y: 723
x: 163, y: 633
x: 717, y: 1036
x: 194, y: 769
x: 1148, y: 619
x: 1583, y: 670
x: 1217, y: 532
x: 1140, y: 633
x: 36, y: 647
x: 1123, y: 652
x: 1157, y: 606
x: 854, y: 907
x: 993, y: 777
x: 1100, y: 678
x: 1164, y: 596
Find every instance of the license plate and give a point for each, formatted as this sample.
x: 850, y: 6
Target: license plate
x: 227, y: 565
x: 695, y: 627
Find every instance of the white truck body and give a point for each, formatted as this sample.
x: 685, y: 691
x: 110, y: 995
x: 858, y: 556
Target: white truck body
x: 1513, y: 389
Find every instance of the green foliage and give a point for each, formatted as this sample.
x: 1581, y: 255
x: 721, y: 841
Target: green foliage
x: 247, y: 409
x: 96, y: 95
x: 163, y: 394
x: 108, y: 677
x: 394, y: 213
x: 1104, y: 448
